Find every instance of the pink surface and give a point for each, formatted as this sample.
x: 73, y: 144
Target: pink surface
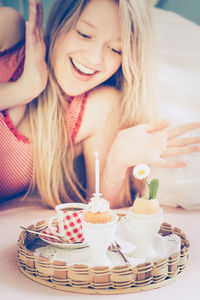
x: 14, y: 285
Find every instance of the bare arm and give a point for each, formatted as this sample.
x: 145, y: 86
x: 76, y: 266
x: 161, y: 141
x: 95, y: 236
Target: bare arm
x: 34, y: 77
x: 98, y: 131
x: 14, y: 94
x: 12, y: 27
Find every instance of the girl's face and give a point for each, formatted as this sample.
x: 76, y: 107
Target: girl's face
x: 90, y: 53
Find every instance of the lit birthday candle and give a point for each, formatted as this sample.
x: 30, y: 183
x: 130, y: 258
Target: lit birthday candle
x: 97, y: 175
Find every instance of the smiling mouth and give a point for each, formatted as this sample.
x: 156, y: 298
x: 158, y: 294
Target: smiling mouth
x: 82, y: 69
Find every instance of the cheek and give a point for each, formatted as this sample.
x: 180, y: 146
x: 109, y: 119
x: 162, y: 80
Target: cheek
x: 55, y: 59
x: 59, y: 62
x: 114, y: 64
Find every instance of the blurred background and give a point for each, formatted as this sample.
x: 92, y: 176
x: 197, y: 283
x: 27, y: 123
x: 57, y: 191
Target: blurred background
x: 189, y: 9
x: 177, y: 36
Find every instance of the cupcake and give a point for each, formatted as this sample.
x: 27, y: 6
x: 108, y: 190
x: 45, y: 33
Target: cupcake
x: 99, y: 226
x: 98, y: 211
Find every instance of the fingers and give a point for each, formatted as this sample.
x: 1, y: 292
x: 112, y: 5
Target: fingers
x: 177, y: 151
x: 39, y: 20
x: 157, y: 126
x: 39, y: 14
x: 29, y: 40
x: 180, y: 130
x: 36, y: 19
x: 173, y: 164
x: 32, y: 12
x: 184, y: 142
x: 161, y: 162
x: 179, y: 147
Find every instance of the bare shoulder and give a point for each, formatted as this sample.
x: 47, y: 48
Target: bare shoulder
x: 102, y: 108
x: 105, y: 93
x: 13, y: 25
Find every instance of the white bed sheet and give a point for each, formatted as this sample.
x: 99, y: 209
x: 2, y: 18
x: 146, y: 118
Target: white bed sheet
x: 178, y: 83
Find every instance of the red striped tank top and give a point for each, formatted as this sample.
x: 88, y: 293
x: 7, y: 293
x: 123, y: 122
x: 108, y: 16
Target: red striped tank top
x: 15, y: 149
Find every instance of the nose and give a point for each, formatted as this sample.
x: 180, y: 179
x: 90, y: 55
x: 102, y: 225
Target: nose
x: 95, y: 55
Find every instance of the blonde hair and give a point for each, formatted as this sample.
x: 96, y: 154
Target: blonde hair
x: 137, y: 63
x: 136, y: 78
x: 53, y: 151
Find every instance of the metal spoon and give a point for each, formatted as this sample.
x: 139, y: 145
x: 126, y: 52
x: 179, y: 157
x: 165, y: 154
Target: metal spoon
x: 41, y: 233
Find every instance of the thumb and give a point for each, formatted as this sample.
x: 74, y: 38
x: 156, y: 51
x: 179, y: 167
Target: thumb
x: 157, y: 126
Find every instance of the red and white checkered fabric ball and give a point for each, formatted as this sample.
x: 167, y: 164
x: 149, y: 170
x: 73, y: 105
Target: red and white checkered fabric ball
x: 72, y: 227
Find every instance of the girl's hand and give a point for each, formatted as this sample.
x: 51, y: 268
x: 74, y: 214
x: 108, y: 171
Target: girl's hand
x: 35, y: 69
x: 152, y: 143
x: 142, y: 143
x: 181, y: 146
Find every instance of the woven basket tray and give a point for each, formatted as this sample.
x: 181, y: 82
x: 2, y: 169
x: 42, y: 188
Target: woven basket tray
x: 99, y: 280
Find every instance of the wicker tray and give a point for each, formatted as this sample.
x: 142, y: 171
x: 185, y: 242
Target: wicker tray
x: 80, y: 278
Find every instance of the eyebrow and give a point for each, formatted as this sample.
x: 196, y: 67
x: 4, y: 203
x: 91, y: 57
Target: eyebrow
x: 93, y: 26
x: 89, y: 24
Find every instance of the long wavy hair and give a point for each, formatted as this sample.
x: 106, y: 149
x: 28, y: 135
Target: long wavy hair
x: 53, y: 151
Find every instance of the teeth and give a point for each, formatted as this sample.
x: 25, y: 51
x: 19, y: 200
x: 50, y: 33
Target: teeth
x: 82, y: 69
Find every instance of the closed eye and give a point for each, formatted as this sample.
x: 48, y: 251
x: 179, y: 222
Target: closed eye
x: 85, y: 36
x: 116, y: 51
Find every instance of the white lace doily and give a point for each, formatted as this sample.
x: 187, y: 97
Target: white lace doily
x: 164, y: 247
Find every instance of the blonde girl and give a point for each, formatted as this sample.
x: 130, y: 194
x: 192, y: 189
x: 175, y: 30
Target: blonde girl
x: 90, y: 88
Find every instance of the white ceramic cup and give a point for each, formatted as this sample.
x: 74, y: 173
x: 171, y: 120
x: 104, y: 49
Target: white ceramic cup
x: 67, y: 223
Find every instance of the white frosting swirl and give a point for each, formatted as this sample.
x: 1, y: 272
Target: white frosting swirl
x: 98, y: 204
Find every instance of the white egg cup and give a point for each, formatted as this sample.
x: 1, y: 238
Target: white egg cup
x: 99, y: 237
x: 144, y: 230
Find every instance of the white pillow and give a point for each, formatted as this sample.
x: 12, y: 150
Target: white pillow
x: 178, y: 66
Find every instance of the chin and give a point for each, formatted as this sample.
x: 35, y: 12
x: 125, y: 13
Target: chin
x: 75, y: 90
x: 72, y: 93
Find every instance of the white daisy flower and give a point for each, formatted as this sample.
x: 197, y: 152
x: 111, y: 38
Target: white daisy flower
x: 141, y: 171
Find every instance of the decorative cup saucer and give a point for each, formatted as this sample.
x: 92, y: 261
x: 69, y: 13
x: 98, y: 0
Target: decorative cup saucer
x: 54, y: 242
